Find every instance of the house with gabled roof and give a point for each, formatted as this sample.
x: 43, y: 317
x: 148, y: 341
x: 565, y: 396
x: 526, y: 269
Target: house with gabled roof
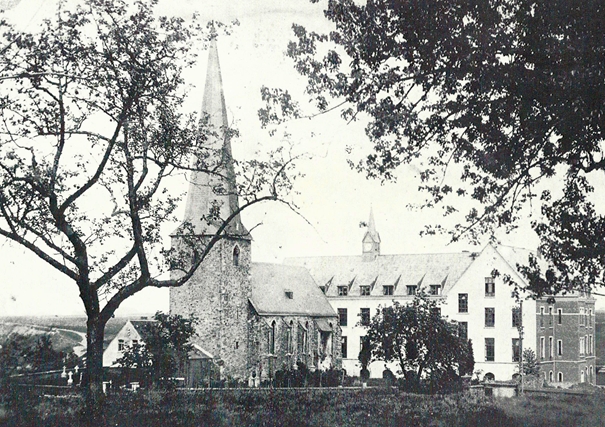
x: 253, y: 318
x: 133, y: 332
x: 473, y: 292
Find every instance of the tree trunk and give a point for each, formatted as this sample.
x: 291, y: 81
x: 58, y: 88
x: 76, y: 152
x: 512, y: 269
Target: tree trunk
x: 94, y: 373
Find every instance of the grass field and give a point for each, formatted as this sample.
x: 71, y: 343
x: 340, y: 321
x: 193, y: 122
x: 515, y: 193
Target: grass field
x: 314, y: 407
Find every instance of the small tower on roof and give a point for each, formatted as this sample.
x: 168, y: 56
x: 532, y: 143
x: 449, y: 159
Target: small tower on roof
x: 371, y: 240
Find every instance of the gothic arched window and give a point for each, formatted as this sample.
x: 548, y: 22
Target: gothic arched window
x: 236, y: 256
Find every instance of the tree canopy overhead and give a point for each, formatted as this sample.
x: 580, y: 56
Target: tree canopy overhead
x: 506, y: 94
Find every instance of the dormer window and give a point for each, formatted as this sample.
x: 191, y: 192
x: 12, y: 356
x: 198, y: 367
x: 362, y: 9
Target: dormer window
x: 289, y: 294
x: 343, y: 291
x: 236, y: 256
x: 364, y: 290
x: 435, y: 290
x: 411, y: 289
x: 387, y: 290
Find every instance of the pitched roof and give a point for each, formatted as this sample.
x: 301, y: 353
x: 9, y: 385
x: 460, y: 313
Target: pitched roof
x: 140, y: 326
x: 398, y: 270
x: 270, y: 282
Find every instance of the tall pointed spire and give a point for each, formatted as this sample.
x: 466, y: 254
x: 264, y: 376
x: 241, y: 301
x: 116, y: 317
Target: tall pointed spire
x: 207, y: 190
x: 371, y: 240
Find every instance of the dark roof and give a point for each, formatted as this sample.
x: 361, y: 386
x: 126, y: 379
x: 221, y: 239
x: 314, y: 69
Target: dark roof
x: 270, y: 282
x: 140, y: 326
x: 398, y: 270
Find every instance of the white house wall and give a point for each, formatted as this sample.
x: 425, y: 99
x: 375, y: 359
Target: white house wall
x: 472, y: 282
x: 128, y: 333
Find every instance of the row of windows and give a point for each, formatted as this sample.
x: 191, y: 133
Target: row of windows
x: 490, y: 349
x: 344, y: 345
x: 302, y: 341
x: 386, y: 290
x: 551, y: 348
x: 585, y: 317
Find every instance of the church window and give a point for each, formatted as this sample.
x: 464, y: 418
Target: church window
x: 272, y: 338
x: 343, y: 291
x: 387, y: 290
x: 289, y: 338
x: 364, y: 290
x: 236, y: 256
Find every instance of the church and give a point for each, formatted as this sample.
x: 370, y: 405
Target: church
x: 253, y: 318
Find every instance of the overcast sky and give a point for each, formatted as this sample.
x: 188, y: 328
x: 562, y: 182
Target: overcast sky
x: 333, y: 199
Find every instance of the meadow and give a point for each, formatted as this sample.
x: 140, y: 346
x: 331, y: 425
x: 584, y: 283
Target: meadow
x: 309, y: 408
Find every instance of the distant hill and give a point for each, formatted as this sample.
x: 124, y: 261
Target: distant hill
x: 63, y: 340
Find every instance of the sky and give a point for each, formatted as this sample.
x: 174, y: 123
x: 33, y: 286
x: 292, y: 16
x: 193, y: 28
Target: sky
x: 332, y: 198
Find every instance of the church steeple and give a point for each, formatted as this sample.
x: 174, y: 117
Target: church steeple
x: 371, y: 240
x: 207, y: 190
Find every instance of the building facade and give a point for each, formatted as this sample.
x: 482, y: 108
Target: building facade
x: 252, y: 318
x: 472, y: 290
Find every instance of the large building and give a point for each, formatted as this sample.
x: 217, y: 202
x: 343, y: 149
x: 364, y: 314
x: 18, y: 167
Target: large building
x: 473, y: 292
x: 253, y: 318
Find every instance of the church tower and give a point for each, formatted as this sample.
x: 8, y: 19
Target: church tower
x: 371, y: 240
x: 219, y: 291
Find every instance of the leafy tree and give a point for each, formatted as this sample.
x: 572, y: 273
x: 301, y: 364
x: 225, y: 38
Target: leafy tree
x: 92, y: 129
x: 531, y: 366
x: 506, y: 94
x: 165, y: 348
x: 425, y: 345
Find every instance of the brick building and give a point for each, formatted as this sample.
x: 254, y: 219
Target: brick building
x: 470, y: 294
x: 253, y: 318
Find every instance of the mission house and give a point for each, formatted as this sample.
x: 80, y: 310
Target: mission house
x: 559, y: 330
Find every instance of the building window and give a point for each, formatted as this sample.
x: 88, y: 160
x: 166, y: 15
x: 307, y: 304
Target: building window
x: 364, y: 290
x: 551, y: 377
x: 581, y: 345
x: 516, y: 317
x: 541, y: 317
x: 585, y: 344
x: 462, y: 303
x: 490, y: 317
x: 436, y: 311
x: 121, y: 345
x: 590, y: 318
x: 551, y: 349
x: 272, y: 338
x: 236, y: 256
x: 365, y: 316
x: 490, y: 287
x: 343, y: 346
x: 516, y: 350
x: 560, y: 377
x: 343, y: 291
x: 559, y: 318
x: 559, y: 347
x: 289, y: 338
x: 463, y: 330
x: 342, y: 316
x: 387, y: 290
x: 135, y: 343
x: 542, y: 347
x: 550, y: 322
x: 435, y: 290
x: 589, y: 344
x: 412, y: 289
x: 490, y: 349
x: 581, y: 316
x: 289, y: 294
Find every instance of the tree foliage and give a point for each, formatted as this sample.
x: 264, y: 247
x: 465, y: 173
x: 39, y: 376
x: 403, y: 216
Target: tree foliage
x: 505, y: 94
x: 426, y: 346
x: 164, y: 350
x: 93, y: 127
